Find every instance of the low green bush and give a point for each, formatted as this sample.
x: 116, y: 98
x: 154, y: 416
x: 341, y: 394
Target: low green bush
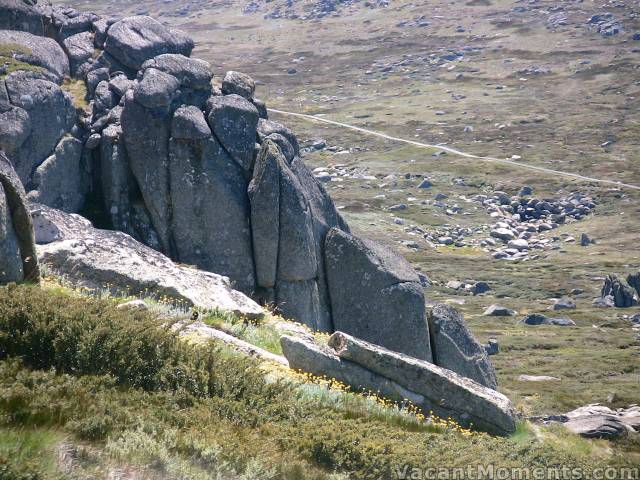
x: 83, y: 336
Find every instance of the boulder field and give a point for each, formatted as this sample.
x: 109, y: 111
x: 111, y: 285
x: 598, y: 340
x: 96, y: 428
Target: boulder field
x: 188, y: 173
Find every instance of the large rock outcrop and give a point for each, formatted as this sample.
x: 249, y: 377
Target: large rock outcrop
x: 202, y: 176
x: 18, y: 260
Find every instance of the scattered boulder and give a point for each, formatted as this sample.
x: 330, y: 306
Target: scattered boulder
x: 134, y: 40
x: 630, y: 417
x: 596, y: 426
x: 45, y: 230
x: 376, y: 295
x: 503, y: 234
x: 604, y: 302
x: 498, y: 311
x: 454, y: 347
x: 564, y: 304
x: 537, y: 378
x: 539, y: 319
x: 492, y: 347
x: 133, y: 305
x: 94, y: 258
x: 479, y: 288
x: 634, y: 281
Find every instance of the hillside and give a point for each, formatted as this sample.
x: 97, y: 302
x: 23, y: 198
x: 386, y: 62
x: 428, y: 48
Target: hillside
x: 404, y: 238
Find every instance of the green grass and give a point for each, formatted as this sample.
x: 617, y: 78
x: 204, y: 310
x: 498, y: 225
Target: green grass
x: 124, y: 388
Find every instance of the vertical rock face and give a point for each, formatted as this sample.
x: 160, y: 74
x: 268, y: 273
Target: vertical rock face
x: 58, y: 181
x: 18, y: 259
x: 376, y: 295
x: 291, y: 214
x: 210, y: 221
x: 454, y: 347
x: 264, y: 195
x: 10, y: 261
x: 44, y: 113
x: 146, y: 136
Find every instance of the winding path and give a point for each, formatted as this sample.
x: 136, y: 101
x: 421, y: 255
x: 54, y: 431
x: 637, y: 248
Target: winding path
x: 502, y: 161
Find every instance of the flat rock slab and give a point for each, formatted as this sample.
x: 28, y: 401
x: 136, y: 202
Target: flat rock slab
x: 101, y: 259
x: 596, y: 426
x: 537, y: 378
x: 368, y: 367
x: 598, y: 421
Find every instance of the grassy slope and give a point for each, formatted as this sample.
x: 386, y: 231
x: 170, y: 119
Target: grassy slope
x: 125, y: 394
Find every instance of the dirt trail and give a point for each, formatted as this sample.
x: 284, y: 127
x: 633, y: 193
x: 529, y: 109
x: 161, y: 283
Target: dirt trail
x: 453, y: 151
